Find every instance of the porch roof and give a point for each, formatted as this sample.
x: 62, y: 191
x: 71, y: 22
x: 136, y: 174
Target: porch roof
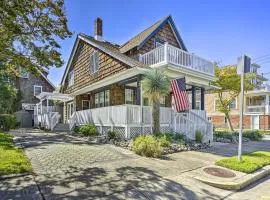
x: 55, y: 96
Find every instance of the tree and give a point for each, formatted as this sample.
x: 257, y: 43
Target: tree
x: 228, y: 88
x: 8, y: 98
x: 155, y: 84
x: 29, y: 30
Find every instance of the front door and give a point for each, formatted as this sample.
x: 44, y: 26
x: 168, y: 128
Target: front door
x: 255, y: 122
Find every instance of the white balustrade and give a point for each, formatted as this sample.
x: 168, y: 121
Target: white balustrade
x: 166, y: 54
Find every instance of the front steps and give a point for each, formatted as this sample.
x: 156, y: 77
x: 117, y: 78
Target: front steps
x: 61, y: 128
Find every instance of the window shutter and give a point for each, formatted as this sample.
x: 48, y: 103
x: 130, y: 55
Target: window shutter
x: 91, y: 64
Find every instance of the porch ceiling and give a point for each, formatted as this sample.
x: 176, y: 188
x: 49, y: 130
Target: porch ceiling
x: 55, y: 96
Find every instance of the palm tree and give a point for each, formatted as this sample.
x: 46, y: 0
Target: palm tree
x: 155, y: 84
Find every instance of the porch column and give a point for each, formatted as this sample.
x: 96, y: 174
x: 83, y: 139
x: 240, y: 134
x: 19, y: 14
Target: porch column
x: 267, y: 104
x: 64, y: 112
x: 193, y: 97
x: 47, y: 105
x: 41, y: 106
x: 138, y: 92
x: 202, y: 98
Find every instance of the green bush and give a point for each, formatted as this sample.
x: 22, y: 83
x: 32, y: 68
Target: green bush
x: 147, y: 146
x: 76, y: 129
x: 88, y: 130
x: 7, y: 122
x: 164, y: 141
x: 167, y: 136
x: 179, y: 137
x: 113, y: 135
x: 198, y: 136
x: 253, y: 135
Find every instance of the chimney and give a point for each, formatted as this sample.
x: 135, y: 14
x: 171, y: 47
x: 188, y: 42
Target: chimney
x: 98, y: 29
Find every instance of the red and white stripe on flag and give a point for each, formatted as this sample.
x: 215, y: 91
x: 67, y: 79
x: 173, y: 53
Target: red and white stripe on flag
x: 180, y: 94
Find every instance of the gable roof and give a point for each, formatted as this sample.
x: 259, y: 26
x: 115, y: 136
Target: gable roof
x: 105, y: 47
x: 140, y: 39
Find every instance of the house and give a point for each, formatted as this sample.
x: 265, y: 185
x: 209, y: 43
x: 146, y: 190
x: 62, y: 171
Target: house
x: 256, y: 106
x: 29, y: 86
x: 102, y: 82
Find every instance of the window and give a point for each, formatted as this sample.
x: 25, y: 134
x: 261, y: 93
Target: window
x: 85, y: 104
x: 162, y: 102
x: 71, y: 78
x: 93, y: 66
x: 23, y: 73
x: 37, y: 90
x: 107, y: 97
x: 158, y: 42
x: 209, y: 118
x: 129, y: 94
x: 102, y: 98
x: 233, y: 104
x: 217, y: 103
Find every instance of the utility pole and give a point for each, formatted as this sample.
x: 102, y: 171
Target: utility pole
x: 243, y: 66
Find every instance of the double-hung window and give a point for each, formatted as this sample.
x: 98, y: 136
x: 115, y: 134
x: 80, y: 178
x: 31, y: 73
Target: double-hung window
x: 162, y: 101
x: 93, y: 65
x: 102, y: 99
x: 71, y: 78
x: 129, y: 96
x: 37, y: 90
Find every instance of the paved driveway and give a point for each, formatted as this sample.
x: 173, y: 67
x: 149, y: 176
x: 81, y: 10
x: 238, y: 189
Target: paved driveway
x: 66, y: 167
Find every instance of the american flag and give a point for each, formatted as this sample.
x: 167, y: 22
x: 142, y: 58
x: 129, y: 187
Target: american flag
x: 180, y: 94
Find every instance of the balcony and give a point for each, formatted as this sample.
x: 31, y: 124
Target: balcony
x: 262, y: 109
x: 168, y: 54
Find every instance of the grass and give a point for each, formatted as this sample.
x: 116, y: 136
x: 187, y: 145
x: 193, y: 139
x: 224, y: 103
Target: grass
x: 12, y: 160
x: 250, y: 162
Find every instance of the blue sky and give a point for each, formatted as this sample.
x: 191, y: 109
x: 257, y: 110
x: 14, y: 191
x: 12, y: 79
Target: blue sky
x: 217, y: 30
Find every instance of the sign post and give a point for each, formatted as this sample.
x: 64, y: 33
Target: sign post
x: 243, y: 66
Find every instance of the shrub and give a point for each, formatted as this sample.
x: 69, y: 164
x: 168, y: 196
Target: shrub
x: 7, y: 122
x: 88, y: 130
x: 76, y: 129
x: 164, y: 141
x: 167, y: 136
x: 199, y: 136
x: 253, y: 135
x: 113, y: 135
x: 147, y: 146
x: 179, y: 137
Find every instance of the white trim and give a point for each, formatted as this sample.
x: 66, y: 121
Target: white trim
x: 71, y: 78
x: 93, y: 63
x: 37, y: 86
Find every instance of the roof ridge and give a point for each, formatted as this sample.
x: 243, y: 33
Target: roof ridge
x: 162, y: 19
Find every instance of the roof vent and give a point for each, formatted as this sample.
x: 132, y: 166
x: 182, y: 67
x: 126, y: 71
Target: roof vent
x: 98, y: 29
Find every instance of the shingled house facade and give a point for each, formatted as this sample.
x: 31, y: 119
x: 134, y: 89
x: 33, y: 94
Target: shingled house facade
x: 100, y: 74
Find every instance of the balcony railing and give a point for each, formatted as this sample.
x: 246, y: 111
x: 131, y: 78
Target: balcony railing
x: 257, y: 109
x: 169, y: 54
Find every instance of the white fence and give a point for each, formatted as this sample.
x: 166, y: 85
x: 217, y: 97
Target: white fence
x: 170, y: 54
x: 131, y: 120
x: 47, y: 120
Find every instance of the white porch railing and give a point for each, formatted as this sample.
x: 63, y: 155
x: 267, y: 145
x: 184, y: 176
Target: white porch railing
x: 136, y: 120
x: 47, y: 120
x: 168, y: 54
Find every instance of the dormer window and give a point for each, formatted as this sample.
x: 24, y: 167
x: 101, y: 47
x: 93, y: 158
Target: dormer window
x: 93, y: 66
x: 71, y: 78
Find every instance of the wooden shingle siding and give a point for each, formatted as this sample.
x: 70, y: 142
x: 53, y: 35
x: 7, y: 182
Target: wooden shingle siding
x: 107, y: 67
x: 165, y: 34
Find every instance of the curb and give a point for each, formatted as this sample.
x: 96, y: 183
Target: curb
x: 239, y: 183
x: 3, y: 177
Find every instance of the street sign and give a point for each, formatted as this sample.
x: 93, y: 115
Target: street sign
x: 243, y: 64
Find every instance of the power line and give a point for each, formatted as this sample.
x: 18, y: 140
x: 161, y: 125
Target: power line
x: 262, y: 56
x: 262, y: 60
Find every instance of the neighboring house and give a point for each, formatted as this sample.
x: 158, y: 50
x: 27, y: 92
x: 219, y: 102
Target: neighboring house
x: 256, y: 106
x: 104, y: 81
x: 29, y: 86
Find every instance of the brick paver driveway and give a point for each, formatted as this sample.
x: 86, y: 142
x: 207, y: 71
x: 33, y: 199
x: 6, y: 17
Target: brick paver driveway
x: 67, y: 167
